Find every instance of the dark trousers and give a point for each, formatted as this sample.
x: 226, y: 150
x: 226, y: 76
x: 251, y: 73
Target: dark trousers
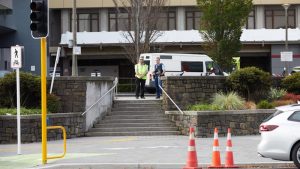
x: 158, y: 82
x: 140, y: 85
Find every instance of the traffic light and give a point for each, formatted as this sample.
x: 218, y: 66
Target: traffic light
x: 39, y: 18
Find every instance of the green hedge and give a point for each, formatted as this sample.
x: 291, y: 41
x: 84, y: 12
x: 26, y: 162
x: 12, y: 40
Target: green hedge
x: 251, y: 82
x: 292, y: 83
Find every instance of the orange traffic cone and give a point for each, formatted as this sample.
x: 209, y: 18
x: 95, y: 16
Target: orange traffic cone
x: 192, y: 162
x: 216, y: 159
x: 229, y: 154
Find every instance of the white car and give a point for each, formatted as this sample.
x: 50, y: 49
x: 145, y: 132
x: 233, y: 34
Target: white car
x: 280, y: 135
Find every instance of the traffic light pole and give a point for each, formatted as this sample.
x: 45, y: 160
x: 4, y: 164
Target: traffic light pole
x: 44, y: 100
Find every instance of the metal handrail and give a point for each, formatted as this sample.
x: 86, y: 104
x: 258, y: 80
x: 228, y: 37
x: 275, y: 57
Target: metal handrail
x: 114, y: 86
x: 171, y: 99
x: 65, y: 142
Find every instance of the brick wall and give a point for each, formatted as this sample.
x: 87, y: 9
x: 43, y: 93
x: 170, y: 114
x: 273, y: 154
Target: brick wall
x: 186, y: 91
x: 242, y: 122
x: 74, y: 124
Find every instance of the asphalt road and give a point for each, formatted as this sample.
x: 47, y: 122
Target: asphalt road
x: 131, y: 152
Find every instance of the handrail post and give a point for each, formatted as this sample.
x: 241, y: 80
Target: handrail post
x: 65, y: 142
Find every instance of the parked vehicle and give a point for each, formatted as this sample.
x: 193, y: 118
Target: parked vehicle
x: 177, y: 64
x: 295, y: 69
x: 3, y: 73
x: 280, y: 135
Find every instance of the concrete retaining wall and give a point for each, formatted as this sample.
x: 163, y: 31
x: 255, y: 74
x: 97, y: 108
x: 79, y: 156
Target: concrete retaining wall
x: 242, y: 122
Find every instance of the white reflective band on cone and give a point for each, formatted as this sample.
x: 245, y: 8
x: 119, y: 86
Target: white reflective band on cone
x: 192, y: 136
x: 191, y: 148
x: 216, y: 148
x: 216, y: 136
x: 228, y: 148
x: 229, y: 136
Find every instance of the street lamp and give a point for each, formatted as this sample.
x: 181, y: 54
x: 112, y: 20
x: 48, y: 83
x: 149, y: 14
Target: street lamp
x: 286, y: 7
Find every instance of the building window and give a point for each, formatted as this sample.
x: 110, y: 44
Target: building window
x: 192, y: 20
x: 118, y: 21
x: 275, y: 18
x: 88, y: 22
x: 167, y: 21
x: 251, y: 20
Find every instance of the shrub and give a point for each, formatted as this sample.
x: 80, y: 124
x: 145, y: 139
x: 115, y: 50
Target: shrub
x: 277, y: 103
x: 202, y: 107
x: 250, y: 105
x: 29, y: 87
x: 53, y: 103
x: 230, y: 101
x: 23, y: 111
x: 291, y: 96
x: 264, y: 104
x: 250, y: 82
x: 275, y: 93
x: 292, y: 83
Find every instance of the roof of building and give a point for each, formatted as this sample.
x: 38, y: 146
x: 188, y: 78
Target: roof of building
x: 189, y: 36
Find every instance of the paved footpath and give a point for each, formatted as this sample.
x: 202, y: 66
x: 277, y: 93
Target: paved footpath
x: 128, y: 152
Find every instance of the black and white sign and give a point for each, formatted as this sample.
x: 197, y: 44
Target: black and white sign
x: 16, y: 57
x: 286, y: 56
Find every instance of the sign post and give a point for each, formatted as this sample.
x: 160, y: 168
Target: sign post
x: 286, y: 57
x: 16, y: 63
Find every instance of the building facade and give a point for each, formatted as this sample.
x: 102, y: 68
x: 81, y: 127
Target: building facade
x: 14, y: 30
x: 100, y: 29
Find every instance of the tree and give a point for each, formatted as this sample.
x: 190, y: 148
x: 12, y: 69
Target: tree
x: 141, y: 28
x: 222, y: 23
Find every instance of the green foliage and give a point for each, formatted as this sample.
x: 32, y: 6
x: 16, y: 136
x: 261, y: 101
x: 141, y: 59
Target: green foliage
x: 29, y: 87
x: 53, y: 103
x: 23, y: 111
x: 202, y: 107
x: 230, y: 101
x: 275, y: 93
x: 222, y: 22
x: 251, y: 82
x: 292, y: 83
x: 264, y: 104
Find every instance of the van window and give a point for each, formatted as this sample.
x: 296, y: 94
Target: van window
x: 147, y: 62
x: 192, y: 66
x: 147, y: 57
x: 212, y: 67
x: 165, y: 57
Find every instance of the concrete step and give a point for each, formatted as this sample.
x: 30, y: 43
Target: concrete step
x: 132, y: 129
x: 136, y: 109
x: 161, y: 116
x: 137, y: 105
x: 142, y: 133
x: 153, y: 113
x: 162, y: 120
x: 137, y: 101
x: 109, y: 125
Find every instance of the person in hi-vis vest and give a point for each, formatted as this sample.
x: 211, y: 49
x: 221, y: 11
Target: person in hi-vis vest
x: 141, y: 70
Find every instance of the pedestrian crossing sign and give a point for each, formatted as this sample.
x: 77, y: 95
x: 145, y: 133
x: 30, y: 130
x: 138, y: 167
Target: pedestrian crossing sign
x: 16, y: 57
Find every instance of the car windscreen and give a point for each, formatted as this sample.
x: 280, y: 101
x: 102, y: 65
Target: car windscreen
x: 273, y: 115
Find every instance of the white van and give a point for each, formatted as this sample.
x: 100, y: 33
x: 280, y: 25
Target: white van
x: 177, y: 64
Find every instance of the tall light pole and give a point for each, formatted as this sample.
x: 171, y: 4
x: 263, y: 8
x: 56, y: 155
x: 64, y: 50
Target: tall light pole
x: 74, y: 30
x: 286, y: 7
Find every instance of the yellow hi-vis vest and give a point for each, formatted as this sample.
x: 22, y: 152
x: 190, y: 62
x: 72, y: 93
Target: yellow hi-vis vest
x: 141, y: 71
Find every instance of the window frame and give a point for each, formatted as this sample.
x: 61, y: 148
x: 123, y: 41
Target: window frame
x: 193, y: 19
x: 272, y: 10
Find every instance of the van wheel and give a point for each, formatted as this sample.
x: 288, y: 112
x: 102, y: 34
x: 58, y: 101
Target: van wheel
x: 296, y: 155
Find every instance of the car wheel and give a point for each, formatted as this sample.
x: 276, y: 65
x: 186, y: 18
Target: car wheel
x: 296, y: 155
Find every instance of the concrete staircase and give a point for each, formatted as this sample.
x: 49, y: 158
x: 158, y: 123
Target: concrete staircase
x: 135, y: 118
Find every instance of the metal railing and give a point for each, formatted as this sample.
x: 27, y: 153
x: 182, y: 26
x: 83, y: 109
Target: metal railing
x: 102, y: 97
x: 171, y: 99
x: 65, y: 142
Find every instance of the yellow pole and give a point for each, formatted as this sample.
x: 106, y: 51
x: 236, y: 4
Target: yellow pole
x: 44, y: 100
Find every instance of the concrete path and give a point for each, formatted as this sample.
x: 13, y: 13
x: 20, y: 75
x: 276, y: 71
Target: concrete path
x: 152, y: 150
